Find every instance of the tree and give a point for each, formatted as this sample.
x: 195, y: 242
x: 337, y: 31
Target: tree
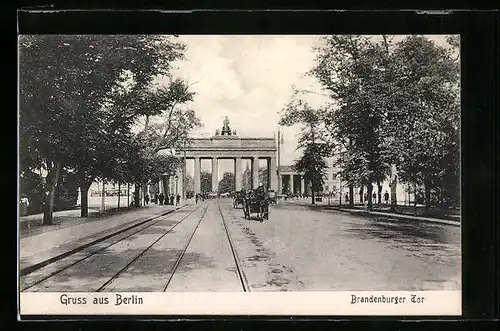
x: 189, y: 184
x: 206, y: 181
x: 246, y: 179
x: 312, y: 163
x: 311, y: 140
x: 428, y: 123
x: 66, y: 193
x: 168, y: 123
x: 226, y: 184
x: 354, y: 70
x: 394, y: 104
x: 75, y: 83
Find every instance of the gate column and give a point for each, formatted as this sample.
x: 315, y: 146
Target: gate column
x: 197, y: 175
x: 215, y: 175
x: 237, y: 174
x: 272, y: 171
x: 255, y: 172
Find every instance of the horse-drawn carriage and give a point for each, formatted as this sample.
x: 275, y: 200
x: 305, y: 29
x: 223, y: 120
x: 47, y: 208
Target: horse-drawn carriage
x: 272, y: 197
x: 256, y: 202
x: 239, y: 199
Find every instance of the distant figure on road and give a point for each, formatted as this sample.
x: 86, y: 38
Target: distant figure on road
x: 259, y: 191
x: 172, y: 199
x: 146, y: 199
x: 24, y: 206
x: 132, y: 203
x: 156, y: 198
x: 161, y: 197
x: 196, y: 196
x: 386, y: 197
x: 374, y: 197
x: 347, y: 197
x: 178, y: 199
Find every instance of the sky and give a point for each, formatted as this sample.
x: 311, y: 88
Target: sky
x: 249, y: 79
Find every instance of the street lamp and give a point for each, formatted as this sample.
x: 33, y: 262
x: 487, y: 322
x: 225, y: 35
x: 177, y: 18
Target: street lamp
x: 176, y: 187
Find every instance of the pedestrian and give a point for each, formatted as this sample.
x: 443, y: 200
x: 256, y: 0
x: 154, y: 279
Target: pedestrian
x: 178, y: 199
x: 132, y: 204
x: 24, y: 206
x: 347, y: 197
x: 146, y: 199
x: 161, y: 197
x: 196, y: 198
x: 172, y: 199
x: 374, y: 197
x: 156, y: 198
x: 386, y: 197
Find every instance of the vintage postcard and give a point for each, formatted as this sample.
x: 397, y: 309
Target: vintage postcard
x: 239, y: 175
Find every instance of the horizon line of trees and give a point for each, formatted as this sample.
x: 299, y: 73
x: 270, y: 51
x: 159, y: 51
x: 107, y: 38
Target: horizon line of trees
x: 393, y: 112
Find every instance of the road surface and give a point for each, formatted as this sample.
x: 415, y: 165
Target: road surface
x: 211, y: 247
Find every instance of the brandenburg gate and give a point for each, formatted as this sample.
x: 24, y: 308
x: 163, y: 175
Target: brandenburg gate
x: 225, y: 144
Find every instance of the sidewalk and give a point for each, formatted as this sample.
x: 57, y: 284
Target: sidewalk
x: 307, y: 203
x: 75, y: 232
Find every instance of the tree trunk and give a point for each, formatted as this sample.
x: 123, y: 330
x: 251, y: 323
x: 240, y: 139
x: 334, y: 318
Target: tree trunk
x: 84, y: 206
x: 427, y: 197
x: 128, y: 195
x: 119, y: 194
x: 361, y: 194
x: 369, y: 195
x: 137, y: 198
x: 393, y: 185
x: 351, y: 195
x: 379, y: 195
x: 52, y: 177
x: 415, y: 198
x: 312, y: 192
x: 103, y: 197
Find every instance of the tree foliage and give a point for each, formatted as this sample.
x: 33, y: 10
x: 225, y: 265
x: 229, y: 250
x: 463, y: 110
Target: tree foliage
x: 392, y: 103
x: 80, y: 97
x: 312, y: 140
x: 226, y: 184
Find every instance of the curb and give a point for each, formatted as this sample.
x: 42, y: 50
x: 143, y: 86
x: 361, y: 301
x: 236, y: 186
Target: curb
x: 27, y: 270
x: 397, y: 216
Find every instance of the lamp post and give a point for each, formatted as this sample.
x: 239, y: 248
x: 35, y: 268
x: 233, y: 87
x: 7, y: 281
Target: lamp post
x: 280, y: 142
x: 176, y: 187
x: 184, y: 174
x: 340, y: 188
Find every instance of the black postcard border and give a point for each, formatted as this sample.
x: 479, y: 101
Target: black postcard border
x: 479, y: 56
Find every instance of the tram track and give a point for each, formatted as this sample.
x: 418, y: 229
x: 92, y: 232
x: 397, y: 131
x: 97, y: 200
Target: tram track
x: 178, y: 260
x: 119, y: 277
x: 241, y: 275
x: 126, y: 267
x: 32, y: 268
x: 154, y: 221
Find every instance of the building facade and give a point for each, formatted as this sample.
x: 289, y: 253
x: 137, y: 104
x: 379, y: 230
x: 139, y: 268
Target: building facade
x: 333, y: 186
